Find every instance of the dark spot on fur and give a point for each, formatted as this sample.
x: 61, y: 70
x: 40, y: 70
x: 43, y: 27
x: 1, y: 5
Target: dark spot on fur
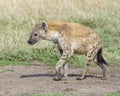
x: 89, y: 56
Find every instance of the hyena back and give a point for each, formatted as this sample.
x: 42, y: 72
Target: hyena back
x: 71, y: 38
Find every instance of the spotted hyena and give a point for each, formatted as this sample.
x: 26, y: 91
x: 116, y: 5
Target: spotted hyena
x: 71, y: 38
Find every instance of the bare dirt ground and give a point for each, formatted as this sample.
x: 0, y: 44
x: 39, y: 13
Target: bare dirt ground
x: 27, y: 80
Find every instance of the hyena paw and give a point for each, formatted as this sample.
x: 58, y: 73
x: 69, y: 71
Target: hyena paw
x: 57, y: 78
x: 64, y: 78
x: 80, y: 77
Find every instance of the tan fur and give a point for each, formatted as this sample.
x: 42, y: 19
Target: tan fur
x: 71, y: 38
x: 83, y: 37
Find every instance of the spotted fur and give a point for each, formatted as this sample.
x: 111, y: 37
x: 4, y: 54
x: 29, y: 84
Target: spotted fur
x: 71, y: 38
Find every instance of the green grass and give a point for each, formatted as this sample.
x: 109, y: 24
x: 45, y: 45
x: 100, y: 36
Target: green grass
x: 48, y: 55
x: 114, y: 94
x: 63, y: 94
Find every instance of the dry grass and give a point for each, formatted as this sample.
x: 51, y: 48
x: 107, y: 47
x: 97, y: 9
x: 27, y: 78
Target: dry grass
x: 17, y: 18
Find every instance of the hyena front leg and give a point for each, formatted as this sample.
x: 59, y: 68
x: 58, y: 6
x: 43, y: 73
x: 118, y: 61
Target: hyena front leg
x: 65, y: 67
x: 65, y: 71
x: 62, y: 63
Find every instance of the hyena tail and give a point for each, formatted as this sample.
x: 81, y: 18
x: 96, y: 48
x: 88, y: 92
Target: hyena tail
x: 100, y: 59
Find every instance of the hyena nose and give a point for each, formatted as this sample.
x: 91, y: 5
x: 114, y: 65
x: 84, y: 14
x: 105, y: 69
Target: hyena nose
x: 29, y: 41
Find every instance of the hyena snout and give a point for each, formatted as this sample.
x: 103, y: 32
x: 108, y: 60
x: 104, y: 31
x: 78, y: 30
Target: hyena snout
x: 32, y: 41
x: 29, y: 42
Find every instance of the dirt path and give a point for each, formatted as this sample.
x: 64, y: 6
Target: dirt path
x: 27, y: 80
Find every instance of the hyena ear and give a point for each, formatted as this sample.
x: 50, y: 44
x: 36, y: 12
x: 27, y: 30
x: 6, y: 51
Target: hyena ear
x: 33, y: 22
x: 44, y: 25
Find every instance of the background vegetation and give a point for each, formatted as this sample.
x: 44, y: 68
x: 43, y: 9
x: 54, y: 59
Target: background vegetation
x: 17, y: 18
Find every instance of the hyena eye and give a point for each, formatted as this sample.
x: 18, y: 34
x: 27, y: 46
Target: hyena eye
x: 35, y: 34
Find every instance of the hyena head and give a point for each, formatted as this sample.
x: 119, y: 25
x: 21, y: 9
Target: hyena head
x: 38, y: 33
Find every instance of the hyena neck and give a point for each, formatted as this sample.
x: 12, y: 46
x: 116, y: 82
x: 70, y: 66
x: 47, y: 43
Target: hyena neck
x: 53, y: 31
x: 52, y: 36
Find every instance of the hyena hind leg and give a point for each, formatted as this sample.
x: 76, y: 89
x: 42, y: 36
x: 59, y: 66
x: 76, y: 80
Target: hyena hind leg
x: 86, y: 69
x: 99, y: 60
x: 90, y: 56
